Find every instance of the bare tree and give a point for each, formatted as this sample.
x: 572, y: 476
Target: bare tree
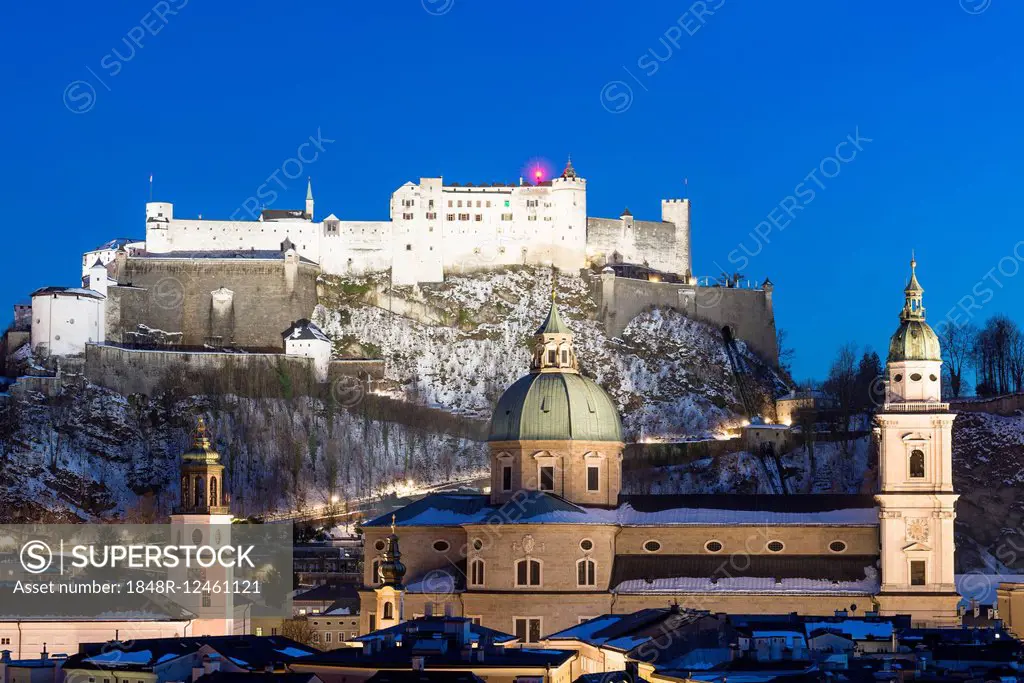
x: 298, y: 629
x: 957, y: 342
x: 786, y: 352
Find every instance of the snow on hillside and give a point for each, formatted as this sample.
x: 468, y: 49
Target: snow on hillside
x: 988, y: 473
x: 98, y: 454
x: 669, y: 375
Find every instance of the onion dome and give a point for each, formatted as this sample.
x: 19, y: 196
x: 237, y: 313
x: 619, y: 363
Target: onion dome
x: 392, y: 571
x: 555, y: 402
x: 201, y: 450
x: 914, y: 340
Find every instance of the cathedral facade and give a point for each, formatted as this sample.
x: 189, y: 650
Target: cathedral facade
x: 555, y: 541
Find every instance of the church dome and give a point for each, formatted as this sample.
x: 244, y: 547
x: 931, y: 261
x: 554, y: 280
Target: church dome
x: 555, y: 402
x: 914, y: 340
x: 555, y: 406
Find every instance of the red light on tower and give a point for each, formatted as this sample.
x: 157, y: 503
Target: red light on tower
x: 538, y: 174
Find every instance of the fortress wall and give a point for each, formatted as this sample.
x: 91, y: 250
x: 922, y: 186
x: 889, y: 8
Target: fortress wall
x: 650, y: 242
x: 175, y: 296
x: 213, y: 235
x: 131, y: 371
x: 748, y: 312
x: 1006, y: 405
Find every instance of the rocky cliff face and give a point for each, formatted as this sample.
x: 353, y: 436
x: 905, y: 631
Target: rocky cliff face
x: 92, y: 453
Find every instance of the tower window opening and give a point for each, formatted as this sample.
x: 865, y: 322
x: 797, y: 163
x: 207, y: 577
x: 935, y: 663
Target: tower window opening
x: 506, y: 478
x: 593, y: 478
x: 552, y: 356
x: 917, y: 464
x: 389, y: 611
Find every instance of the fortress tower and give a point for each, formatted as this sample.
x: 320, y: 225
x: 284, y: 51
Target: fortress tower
x: 915, y: 497
x: 677, y: 212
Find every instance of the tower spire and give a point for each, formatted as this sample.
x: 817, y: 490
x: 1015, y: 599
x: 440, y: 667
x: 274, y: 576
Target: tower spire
x: 309, y: 198
x: 913, y: 309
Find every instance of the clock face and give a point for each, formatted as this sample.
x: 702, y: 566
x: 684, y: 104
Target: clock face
x: 917, y: 529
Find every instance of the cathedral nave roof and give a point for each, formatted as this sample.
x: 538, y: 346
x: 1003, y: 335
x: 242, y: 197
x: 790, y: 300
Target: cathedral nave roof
x: 536, y: 507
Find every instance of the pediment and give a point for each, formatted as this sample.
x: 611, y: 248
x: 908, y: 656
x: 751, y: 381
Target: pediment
x: 917, y: 547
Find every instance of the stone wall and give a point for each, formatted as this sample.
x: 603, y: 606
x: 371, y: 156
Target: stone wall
x: 240, y: 302
x: 747, y: 312
x: 132, y: 371
x: 1000, y: 405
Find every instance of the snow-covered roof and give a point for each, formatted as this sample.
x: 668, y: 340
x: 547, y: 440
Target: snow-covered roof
x: 68, y: 291
x: 750, y: 584
x: 858, y: 629
x: 116, y: 243
x: 305, y: 329
x: 535, y: 507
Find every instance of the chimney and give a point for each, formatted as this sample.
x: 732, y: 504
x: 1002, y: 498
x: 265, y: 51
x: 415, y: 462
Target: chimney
x: 44, y: 655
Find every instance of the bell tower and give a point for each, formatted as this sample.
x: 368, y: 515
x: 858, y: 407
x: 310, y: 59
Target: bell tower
x: 915, y: 450
x: 391, y: 594
x: 202, y: 518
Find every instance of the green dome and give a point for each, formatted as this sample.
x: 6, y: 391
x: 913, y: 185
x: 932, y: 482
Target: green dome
x: 556, y: 406
x: 914, y: 340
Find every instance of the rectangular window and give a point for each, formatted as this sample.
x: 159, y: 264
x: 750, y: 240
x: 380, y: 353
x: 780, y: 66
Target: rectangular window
x: 450, y: 217
x: 259, y: 630
x: 478, y: 217
x: 373, y: 621
x: 527, y: 629
x: 431, y: 216
x: 547, y: 478
x: 593, y: 479
x: 917, y: 570
x: 506, y: 216
x: 449, y: 203
x: 463, y: 216
x: 327, y: 636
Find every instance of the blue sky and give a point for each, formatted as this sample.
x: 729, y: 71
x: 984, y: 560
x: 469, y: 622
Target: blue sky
x: 745, y: 101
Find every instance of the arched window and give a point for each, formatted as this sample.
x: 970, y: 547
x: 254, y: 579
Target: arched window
x: 528, y: 573
x: 197, y: 499
x: 213, y: 491
x: 389, y: 611
x: 917, y: 464
x: 476, y: 573
x: 586, y: 569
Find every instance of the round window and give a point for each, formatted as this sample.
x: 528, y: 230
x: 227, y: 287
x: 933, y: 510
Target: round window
x: 897, y: 378
x: 837, y: 546
x: 916, y: 377
x: 652, y: 546
x: 933, y: 378
x: 379, y: 545
x: 713, y: 546
x: 441, y: 546
x: 775, y: 546
x: 586, y: 544
x: 477, y: 544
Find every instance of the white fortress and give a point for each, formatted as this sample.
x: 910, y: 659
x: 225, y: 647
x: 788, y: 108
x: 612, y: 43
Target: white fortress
x: 436, y: 229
